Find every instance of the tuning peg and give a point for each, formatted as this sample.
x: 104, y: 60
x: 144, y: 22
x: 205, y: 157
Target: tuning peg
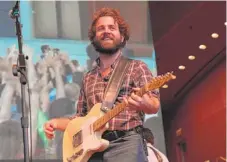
x: 173, y: 76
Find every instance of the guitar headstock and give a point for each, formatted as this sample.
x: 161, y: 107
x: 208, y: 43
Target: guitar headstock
x: 160, y: 80
x: 167, y: 76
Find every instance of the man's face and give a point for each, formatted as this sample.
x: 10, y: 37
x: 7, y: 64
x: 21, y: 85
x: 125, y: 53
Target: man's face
x: 108, y: 39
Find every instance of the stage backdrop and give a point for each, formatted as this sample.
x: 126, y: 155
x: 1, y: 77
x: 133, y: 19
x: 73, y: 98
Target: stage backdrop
x: 58, y: 54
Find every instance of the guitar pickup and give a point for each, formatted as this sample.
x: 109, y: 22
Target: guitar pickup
x: 77, y: 139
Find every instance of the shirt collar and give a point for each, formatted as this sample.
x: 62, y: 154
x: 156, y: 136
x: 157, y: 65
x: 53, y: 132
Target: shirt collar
x: 112, y: 65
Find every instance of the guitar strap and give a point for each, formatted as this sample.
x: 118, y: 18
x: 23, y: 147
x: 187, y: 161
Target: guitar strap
x: 115, y: 83
x: 114, y: 86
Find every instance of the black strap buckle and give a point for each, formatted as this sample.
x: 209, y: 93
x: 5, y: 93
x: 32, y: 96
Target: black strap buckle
x: 113, y: 135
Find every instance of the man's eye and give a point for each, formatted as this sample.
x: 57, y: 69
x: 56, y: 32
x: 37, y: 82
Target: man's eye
x: 112, y: 27
x: 99, y: 29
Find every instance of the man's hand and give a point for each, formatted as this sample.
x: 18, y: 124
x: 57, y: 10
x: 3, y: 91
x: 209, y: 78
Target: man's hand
x: 148, y: 103
x: 49, y: 128
x: 55, y: 124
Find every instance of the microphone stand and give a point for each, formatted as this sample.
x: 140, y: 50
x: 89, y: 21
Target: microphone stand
x: 21, y: 68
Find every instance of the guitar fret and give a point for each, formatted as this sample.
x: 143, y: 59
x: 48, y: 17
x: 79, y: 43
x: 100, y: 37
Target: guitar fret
x: 102, y: 120
x: 119, y: 108
x: 107, y: 115
x: 111, y: 113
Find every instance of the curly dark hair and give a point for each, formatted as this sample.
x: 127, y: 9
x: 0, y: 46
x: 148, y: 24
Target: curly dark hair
x: 123, y: 26
x: 148, y: 135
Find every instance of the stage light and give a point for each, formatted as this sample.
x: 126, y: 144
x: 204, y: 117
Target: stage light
x: 165, y: 86
x: 202, y: 47
x: 181, y: 67
x: 191, y: 57
x: 214, y: 35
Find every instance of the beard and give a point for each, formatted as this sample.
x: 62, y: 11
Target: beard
x: 111, y: 49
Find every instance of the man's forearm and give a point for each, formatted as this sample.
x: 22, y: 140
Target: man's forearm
x: 61, y: 123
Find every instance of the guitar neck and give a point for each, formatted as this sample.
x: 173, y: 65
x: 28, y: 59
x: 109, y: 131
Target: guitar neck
x: 115, y: 111
x: 154, y: 84
x: 109, y: 115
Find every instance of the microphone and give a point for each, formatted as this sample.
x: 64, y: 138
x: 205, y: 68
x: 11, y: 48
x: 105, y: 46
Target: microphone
x: 15, y: 11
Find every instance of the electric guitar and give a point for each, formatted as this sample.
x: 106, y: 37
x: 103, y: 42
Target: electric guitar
x: 83, y: 135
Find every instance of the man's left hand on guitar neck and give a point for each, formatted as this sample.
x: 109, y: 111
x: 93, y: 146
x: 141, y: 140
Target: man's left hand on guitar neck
x: 149, y: 103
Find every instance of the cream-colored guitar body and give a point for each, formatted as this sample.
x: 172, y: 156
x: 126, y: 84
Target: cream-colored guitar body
x: 86, y: 141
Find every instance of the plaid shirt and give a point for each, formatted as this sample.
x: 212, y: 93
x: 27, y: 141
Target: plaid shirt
x: 93, y: 88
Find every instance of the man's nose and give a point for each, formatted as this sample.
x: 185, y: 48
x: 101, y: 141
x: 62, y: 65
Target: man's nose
x: 107, y: 30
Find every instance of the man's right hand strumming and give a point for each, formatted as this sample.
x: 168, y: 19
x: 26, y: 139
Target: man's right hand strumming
x: 55, y: 124
x: 49, y: 128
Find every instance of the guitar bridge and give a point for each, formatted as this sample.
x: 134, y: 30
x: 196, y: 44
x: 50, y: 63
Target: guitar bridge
x: 75, y: 156
x: 77, y: 139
